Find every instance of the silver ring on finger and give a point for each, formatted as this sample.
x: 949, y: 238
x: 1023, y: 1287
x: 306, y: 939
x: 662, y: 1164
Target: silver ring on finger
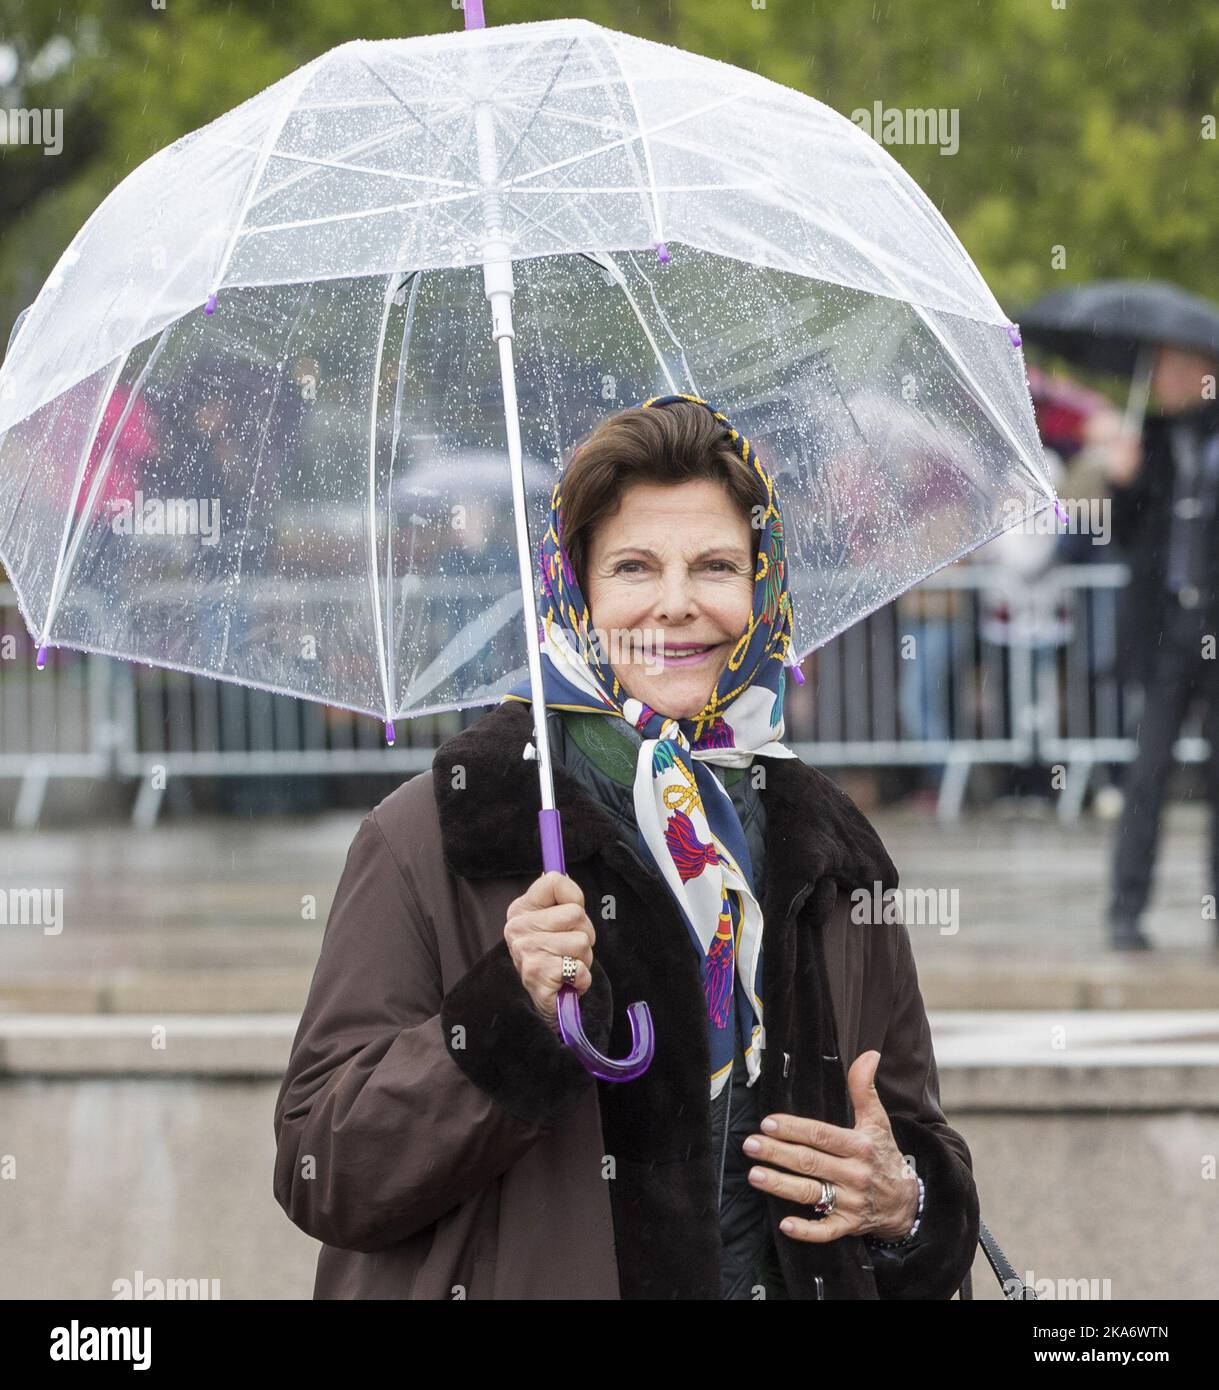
x: 570, y: 966
x: 825, y: 1203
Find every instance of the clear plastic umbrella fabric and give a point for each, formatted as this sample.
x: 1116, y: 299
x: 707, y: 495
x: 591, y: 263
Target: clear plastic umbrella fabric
x: 253, y: 425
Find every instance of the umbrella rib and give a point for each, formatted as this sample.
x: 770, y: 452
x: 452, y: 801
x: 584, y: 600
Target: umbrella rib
x: 657, y: 233
x: 981, y: 395
x: 658, y: 188
x: 647, y: 331
x: 81, y: 469
x: 274, y: 131
x: 639, y: 134
x: 262, y: 444
x: 876, y: 255
x: 556, y: 113
x: 333, y: 218
x: 412, y: 70
x: 450, y: 150
x: 100, y: 476
x: 415, y: 278
x: 906, y: 187
x: 624, y: 140
x: 664, y: 319
x: 322, y: 163
x: 786, y: 197
x: 527, y: 53
x: 579, y: 85
x: 357, y: 103
x: 577, y: 209
x: 466, y: 643
x: 620, y: 279
x: 360, y: 147
x: 508, y: 158
x: 591, y: 207
x: 373, y: 576
x: 575, y: 118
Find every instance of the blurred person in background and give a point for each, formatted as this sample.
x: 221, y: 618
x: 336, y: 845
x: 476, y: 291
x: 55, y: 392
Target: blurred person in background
x: 1164, y: 485
x: 925, y: 693
x: 1086, y: 484
x: 1015, y: 612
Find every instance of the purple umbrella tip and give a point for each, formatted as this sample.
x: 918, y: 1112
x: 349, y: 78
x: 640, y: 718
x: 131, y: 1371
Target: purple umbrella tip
x: 1013, y: 332
x: 1061, y: 510
x: 41, y: 660
x: 662, y: 253
x: 797, y: 674
x: 210, y: 307
x: 389, y: 732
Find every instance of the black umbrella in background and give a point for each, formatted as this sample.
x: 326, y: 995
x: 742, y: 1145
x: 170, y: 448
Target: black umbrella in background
x: 1116, y: 326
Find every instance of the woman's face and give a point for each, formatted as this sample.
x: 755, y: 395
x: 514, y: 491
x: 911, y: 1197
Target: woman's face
x: 669, y: 584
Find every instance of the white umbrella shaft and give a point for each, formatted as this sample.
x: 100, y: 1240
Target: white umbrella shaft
x: 497, y: 280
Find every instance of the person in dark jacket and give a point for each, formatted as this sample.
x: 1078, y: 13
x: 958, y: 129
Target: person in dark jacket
x: 1165, y: 489
x: 1165, y: 499
x: 787, y: 1141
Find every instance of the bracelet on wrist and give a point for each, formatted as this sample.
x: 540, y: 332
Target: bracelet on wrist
x: 909, y: 1236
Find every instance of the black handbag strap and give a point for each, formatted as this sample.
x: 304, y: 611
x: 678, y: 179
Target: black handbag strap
x: 1009, y: 1281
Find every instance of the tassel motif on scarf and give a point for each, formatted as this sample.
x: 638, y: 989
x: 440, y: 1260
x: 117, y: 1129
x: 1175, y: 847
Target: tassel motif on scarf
x: 717, y: 984
x: 688, y: 854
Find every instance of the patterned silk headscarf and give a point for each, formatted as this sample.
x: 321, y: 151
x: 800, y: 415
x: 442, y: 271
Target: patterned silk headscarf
x: 687, y: 820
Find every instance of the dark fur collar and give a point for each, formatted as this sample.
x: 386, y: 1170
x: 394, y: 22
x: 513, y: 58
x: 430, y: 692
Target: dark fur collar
x: 490, y: 829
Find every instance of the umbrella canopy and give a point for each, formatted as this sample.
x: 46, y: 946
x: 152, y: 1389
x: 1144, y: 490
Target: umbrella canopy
x: 1104, y: 325
x: 643, y: 221
x: 296, y: 295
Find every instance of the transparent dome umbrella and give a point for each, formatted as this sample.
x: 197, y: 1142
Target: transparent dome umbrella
x: 244, y: 429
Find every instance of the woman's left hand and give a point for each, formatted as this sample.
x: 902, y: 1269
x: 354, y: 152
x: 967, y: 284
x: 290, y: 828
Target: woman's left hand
x: 877, y: 1194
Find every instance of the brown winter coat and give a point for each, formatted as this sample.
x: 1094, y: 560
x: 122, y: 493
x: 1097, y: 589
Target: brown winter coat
x: 441, y: 1141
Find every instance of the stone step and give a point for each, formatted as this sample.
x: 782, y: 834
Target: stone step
x: 997, y: 1060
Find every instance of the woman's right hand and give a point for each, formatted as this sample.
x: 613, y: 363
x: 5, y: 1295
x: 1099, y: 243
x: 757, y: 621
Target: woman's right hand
x: 545, y: 924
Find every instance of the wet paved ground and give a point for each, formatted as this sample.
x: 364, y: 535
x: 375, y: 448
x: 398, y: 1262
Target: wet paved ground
x: 207, y: 914
x: 1068, y: 1067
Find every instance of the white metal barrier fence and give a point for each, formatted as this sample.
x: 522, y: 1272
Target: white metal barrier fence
x: 972, y: 667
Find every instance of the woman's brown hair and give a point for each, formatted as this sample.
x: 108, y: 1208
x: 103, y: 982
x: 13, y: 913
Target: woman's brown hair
x: 665, y: 444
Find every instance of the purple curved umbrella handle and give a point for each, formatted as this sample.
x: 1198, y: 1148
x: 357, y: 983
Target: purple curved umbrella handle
x: 643, y: 1040
x: 571, y: 1027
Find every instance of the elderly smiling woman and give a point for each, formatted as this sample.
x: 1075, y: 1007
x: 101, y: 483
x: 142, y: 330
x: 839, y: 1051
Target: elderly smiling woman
x: 787, y: 1141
